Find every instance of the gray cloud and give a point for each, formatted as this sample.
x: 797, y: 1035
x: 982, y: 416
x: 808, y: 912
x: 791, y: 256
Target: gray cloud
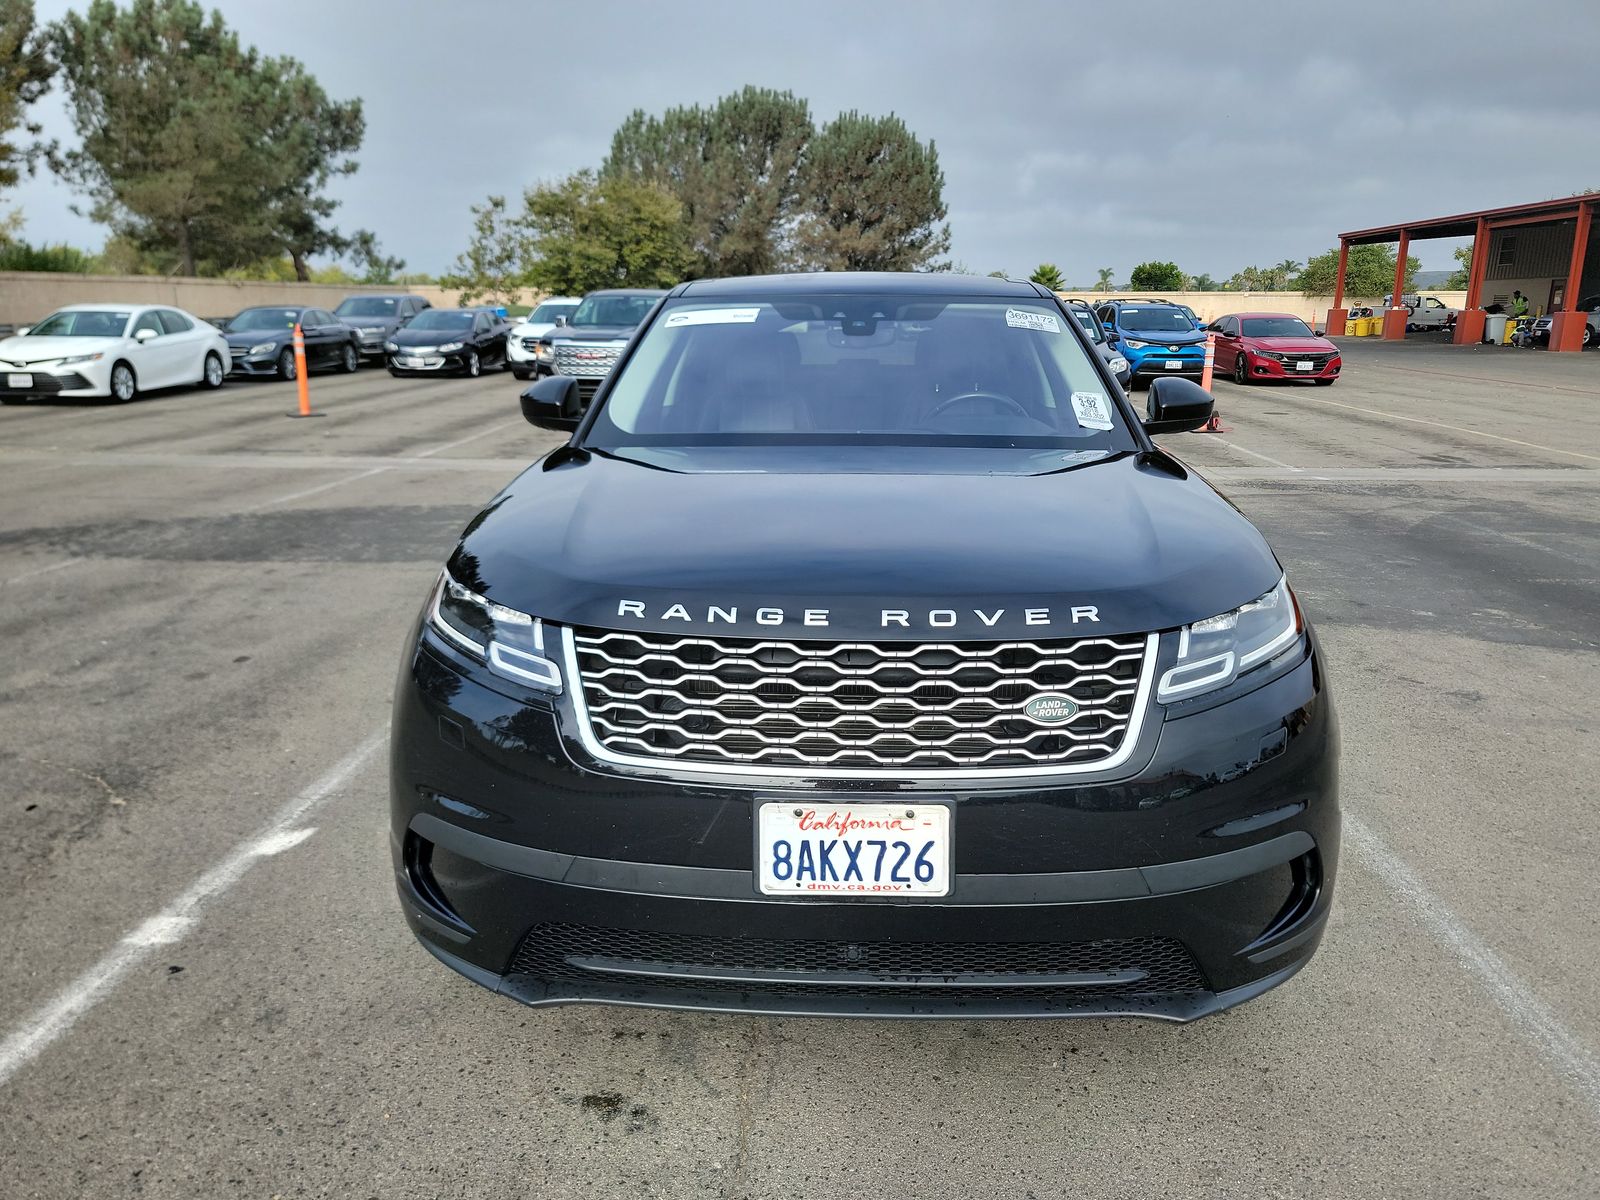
x: 1212, y: 135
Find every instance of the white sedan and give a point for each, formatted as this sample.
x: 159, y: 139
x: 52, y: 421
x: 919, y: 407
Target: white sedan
x: 112, y: 350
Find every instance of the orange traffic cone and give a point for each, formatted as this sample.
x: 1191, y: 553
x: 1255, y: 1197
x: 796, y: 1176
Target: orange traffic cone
x: 1214, y: 425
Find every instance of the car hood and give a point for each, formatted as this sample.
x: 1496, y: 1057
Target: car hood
x: 429, y: 337
x: 18, y: 351
x: 1166, y: 338
x: 532, y: 329
x: 1293, y: 345
x: 594, y: 333
x: 254, y: 337
x: 377, y: 323
x: 1145, y: 546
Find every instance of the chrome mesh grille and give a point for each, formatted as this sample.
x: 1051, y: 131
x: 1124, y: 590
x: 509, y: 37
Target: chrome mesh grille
x: 594, y: 362
x: 878, y: 706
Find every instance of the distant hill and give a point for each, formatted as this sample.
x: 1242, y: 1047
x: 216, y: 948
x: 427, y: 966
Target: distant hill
x: 1433, y: 279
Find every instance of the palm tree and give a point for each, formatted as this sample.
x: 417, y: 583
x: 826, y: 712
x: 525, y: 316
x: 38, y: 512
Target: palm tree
x: 1285, y: 271
x: 1048, y: 275
x: 1103, y: 284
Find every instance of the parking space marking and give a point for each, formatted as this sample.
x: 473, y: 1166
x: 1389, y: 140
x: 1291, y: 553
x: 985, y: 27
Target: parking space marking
x: 1378, y: 412
x: 1257, y: 454
x: 49, y: 1022
x: 1532, y: 1017
x: 1516, y: 383
x: 463, y: 441
x: 37, y: 571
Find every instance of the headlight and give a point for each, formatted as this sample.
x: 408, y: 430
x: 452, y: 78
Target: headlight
x: 263, y: 347
x: 1133, y: 345
x: 1214, y: 652
x: 392, y: 347
x: 512, y: 643
x: 80, y: 358
x: 1117, y: 363
x: 448, y: 347
x: 545, y: 352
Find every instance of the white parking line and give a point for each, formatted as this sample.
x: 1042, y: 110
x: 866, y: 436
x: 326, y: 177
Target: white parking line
x: 52, y: 1020
x: 71, y: 562
x: 1570, y: 1056
x: 1378, y: 412
x: 1257, y: 454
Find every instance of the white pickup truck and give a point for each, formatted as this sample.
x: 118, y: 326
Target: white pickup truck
x: 1427, y: 312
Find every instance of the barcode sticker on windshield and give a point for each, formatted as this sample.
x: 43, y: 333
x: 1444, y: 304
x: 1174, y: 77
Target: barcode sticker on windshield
x: 1092, y: 409
x: 711, y: 316
x: 1021, y: 319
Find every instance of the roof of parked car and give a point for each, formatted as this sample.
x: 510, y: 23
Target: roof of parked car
x: 915, y: 282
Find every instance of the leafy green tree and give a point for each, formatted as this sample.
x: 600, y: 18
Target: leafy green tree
x: 1369, y: 272
x: 734, y: 168
x: 1283, y: 273
x: 1103, y: 283
x: 25, y: 74
x: 493, y: 267
x: 1462, y: 275
x: 64, y: 259
x: 1048, y: 275
x: 1204, y: 283
x: 1156, y: 277
x: 586, y: 232
x: 874, y: 199
x: 369, y: 258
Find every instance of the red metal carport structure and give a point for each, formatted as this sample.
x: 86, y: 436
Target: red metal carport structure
x: 1566, y: 331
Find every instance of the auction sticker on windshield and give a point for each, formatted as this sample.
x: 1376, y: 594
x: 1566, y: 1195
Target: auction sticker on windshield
x: 809, y: 849
x: 1019, y: 318
x: 711, y: 316
x: 1092, y: 410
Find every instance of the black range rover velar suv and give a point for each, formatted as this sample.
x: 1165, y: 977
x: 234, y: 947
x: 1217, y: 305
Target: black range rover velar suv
x: 861, y: 654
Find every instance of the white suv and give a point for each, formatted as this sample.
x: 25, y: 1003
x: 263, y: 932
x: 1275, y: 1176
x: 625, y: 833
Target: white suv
x: 525, y: 335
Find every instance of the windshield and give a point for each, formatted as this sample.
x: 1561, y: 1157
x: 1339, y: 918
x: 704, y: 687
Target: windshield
x: 862, y: 370
x: 82, y: 323
x: 368, y: 306
x: 547, y: 313
x: 1275, y: 327
x: 442, y: 318
x: 1154, y: 320
x: 266, y: 318
x: 613, y: 310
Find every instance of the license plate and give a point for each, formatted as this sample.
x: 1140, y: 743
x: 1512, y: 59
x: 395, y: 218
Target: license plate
x: 809, y: 849
x: 411, y: 362
x: 1302, y: 366
x: 19, y: 381
x: 1174, y: 364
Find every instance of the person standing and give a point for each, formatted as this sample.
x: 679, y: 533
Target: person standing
x: 1519, y: 304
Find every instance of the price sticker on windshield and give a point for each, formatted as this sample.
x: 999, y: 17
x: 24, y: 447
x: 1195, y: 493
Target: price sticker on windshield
x: 1092, y: 409
x: 1019, y: 318
x: 711, y: 316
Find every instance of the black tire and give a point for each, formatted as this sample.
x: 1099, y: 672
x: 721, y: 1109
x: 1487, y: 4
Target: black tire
x: 521, y: 373
x: 474, y: 365
x: 1588, y: 335
x: 393, y: 374
x: 286, y: 368
x: 351, y: 362
x: 1241, y: 371
x: 212, y: 374
x: 124, y: 383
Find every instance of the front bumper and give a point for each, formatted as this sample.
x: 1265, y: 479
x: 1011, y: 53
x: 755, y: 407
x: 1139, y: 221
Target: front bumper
x: 262, y: 366
x: 1272, y: 369
x: 406, y: 363
x: 1151, y: 364
x: 1197, y: 878
x: 44, y: 383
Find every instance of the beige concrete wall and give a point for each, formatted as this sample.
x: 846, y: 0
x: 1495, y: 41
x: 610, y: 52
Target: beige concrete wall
x: 27, y: 296
x: 1211, y: 305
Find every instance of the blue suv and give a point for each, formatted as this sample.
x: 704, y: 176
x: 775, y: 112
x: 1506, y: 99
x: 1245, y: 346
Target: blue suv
x: 1156, y: 337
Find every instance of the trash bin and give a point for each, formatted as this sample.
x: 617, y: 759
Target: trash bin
x: 1494, y: 328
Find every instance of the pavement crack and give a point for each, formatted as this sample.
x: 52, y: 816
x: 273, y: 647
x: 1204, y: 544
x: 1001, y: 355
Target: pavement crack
x: 113, y: 797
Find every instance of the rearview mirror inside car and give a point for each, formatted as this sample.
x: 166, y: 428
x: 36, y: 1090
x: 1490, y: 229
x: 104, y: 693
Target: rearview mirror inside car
x: 1176, y: 406
x: 561, y: 322
x: 553, y: 403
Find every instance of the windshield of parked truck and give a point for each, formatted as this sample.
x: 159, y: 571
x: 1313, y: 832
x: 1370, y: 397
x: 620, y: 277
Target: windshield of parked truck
x: 83, y: 323
x: 547, y: 313
x: 1275, y: 327
x: 626, y: 311
x: 1154, y: 320
x: 859, y: 370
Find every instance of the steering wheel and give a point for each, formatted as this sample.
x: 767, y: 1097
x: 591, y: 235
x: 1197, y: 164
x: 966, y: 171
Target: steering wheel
x: 967, y: 397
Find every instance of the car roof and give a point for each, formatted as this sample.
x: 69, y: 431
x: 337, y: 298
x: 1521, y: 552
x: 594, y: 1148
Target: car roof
x: 1245, y: 315
x: 105, y: 304
x: 920, y: 283
x: 627, y: 292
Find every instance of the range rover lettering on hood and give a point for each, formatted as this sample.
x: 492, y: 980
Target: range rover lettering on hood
x: 901, y: 618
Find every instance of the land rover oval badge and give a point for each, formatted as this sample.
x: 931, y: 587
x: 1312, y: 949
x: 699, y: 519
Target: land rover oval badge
x: 1050, y: 708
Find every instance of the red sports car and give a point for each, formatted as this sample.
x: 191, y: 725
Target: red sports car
x: 1273, y: 346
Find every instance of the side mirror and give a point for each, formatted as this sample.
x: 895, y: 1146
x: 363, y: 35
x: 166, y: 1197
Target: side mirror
x: 1176, y: 406
x: 144, y: 335
x: 553, y: 403
x: 22, y: 330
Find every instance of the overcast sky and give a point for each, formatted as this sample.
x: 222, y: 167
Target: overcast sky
x: 1216, y: 135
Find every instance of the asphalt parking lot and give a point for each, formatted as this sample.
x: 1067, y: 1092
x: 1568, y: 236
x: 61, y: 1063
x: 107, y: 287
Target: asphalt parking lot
x: 208, y: 988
